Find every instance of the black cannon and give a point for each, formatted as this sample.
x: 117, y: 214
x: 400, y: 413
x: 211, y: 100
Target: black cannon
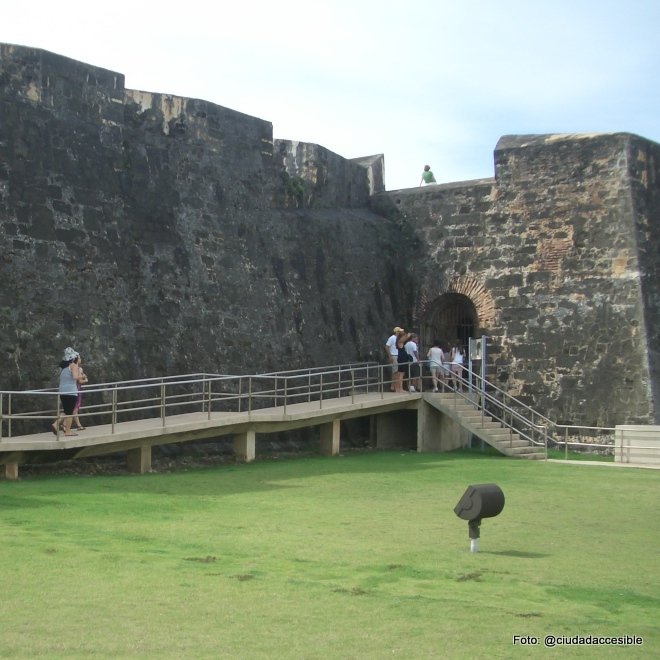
x: 479, y: 501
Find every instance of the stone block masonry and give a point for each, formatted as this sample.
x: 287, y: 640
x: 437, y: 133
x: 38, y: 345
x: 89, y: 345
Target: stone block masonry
x: 558, y: 257
x: 163, y: 235
x: 156, y: 235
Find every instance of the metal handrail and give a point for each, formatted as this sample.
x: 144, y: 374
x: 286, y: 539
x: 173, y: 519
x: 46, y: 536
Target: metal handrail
x: 479, y: 396
x: 118, y: 397
x: 251, y: 391
x: 543, y: 431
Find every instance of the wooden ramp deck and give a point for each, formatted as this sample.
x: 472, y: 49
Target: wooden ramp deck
x: 138, y: 436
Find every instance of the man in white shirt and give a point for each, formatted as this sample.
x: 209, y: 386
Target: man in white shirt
x: 392, y: 352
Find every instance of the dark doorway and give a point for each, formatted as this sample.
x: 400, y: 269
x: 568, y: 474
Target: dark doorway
x: 452, y: 317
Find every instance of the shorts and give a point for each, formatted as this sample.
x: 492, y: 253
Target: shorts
x: 394, y: 365
x: 68, y: 403
x: 404, y: 368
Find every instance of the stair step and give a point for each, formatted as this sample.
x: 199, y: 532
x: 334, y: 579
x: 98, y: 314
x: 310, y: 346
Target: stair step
x: 521, y: 451
x: 502, y: 435
x: 478, y: 419
x: 515, y: 442
x: 498, y: 436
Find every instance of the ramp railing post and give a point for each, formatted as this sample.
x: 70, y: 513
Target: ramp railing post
x: 286, y: 384
x: 2, y: 395
x: 240, y: 392
x: 162, y: 402
x: 208, y: 399
x: 114, y: 409
x: 57, y: 419
x: 249, y: 395
x: 352, y: 385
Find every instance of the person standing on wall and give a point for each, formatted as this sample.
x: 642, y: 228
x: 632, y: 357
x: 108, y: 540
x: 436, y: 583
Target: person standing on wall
x: 427, y: 176
x: 413, y: 353
x: 392, y: 353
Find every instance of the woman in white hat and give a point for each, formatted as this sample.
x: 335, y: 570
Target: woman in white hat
x: 70, y: 376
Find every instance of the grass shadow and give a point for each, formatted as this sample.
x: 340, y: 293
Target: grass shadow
x: 515, y: 553
x: 267, y: 474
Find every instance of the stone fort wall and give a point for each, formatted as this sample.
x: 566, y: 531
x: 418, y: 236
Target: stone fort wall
x: 163, y: 235
x: 560, y: 255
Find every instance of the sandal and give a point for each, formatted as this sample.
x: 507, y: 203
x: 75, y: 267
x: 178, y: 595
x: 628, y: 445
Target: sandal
x: 53, y: 428
x: 79, y: 428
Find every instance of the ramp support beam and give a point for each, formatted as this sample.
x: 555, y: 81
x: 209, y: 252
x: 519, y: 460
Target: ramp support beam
x: 139, y: 459
x: 11, y: 471
x: 330, y: 438
x: 244, y: 446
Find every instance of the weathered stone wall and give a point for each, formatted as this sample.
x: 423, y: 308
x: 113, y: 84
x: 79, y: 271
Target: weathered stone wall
x: 152, y: 233
x: 557, y: 256
x: 315, y: 177
x: 163, y: 235
x: 644, y: 165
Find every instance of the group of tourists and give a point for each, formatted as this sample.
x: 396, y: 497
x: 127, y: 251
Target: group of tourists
x: 445, y: 363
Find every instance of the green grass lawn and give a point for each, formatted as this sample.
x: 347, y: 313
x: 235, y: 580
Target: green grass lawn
x: 357, y: 556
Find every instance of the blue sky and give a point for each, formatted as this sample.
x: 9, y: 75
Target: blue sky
x: 432, y: 82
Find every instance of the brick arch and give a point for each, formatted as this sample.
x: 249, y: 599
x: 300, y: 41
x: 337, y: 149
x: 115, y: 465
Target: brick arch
x: 467, y: 286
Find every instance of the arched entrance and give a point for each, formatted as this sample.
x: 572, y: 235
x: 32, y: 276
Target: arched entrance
x: 451, y: 317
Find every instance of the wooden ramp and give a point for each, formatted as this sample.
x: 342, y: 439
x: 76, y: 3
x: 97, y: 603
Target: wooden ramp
x: 137, y: 437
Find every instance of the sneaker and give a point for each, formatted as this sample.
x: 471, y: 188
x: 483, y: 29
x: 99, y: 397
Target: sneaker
x: 435, y: 389
x: 411, y: 389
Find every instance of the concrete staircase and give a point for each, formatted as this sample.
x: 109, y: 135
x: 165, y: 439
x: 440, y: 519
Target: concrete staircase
x: 470, y: 417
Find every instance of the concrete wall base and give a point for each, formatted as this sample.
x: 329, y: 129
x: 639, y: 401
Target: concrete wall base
x: 396, y: 430
x: 637, y: 444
